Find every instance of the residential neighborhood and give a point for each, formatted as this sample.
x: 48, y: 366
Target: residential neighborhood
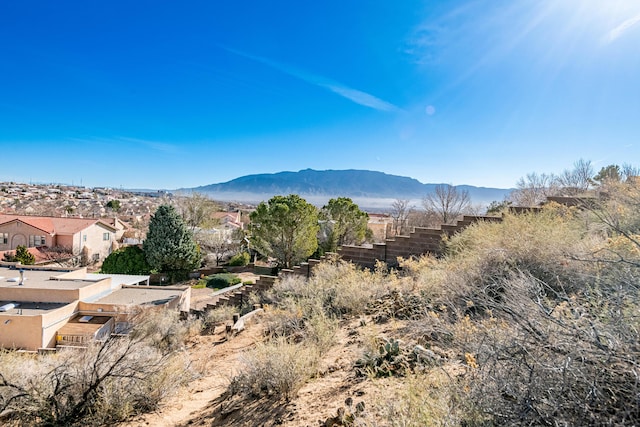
x: 76, y: 201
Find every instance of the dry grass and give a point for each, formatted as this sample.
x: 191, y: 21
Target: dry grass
x: 276, y: 369
x: 217, y: 316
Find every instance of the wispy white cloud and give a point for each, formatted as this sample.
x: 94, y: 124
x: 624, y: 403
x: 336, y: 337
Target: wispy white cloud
x: 359, y: 97
x: 153, y: 145
x: 618, y: 31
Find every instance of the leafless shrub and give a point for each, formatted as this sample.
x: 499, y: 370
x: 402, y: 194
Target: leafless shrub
x: 548, y: 358
x: 163, y: 329
x: 105, y: 383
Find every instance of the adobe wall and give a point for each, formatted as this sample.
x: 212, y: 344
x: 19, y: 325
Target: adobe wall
x: 67, y: 242
x: 53, y: 321
x: 95, y: 243
x: 26, y: 294
x: 20, y: 332
x: 31, y: 332
x: 98, y: 288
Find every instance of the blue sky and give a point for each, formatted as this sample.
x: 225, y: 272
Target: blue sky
x: 181, y: 94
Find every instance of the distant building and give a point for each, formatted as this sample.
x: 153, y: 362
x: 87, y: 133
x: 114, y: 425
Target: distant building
x: 381, y: 225
x: 229, y: 220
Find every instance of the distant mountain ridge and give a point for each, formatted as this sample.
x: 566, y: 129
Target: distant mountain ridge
x: 333, y: 183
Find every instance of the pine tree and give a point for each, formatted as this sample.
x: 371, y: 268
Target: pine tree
x: 285, y: 228
x: 343, y: 223
x: 169, y: 246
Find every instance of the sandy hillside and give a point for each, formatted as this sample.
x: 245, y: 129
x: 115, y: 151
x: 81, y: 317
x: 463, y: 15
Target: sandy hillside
x: 206, y: 403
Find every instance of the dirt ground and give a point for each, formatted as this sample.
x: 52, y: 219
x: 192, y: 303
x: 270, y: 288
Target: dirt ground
x: 205, y: 401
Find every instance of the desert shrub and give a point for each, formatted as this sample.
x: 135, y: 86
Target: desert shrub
x: 218, y: 315
x: 301, y: 320
x: 222, y: 280
x: 617, y: 208
x: 277, y: 369
x: 103, y: 384
x: 546, y: 245
x: 541, y: 310
x: 240, y: 259
x: 163, y: 329
x: 560, y: 360
x: 425, y: 399
x: 340, y: 288
x: 540, y: 243
x: 321, y: 332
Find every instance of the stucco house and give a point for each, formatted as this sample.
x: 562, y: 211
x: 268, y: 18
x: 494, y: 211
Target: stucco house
x: 74, y: 234
x: 45, y: 308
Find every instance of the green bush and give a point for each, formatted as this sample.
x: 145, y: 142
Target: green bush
x: 240, y: 259
x: 127, y: 260
x: 222, y: 280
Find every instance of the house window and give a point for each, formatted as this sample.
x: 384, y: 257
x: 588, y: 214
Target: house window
x: 36, y: 241
x: 84, y: 238
x: 4, y: 238
x: 105, y: 236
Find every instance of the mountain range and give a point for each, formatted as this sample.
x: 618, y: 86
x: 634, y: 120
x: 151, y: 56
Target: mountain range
x: 367, y: 188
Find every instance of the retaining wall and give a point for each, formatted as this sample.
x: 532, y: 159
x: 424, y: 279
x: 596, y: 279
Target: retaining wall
x: 420, y: 241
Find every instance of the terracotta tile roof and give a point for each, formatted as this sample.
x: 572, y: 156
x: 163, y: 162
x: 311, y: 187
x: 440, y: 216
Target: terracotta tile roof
x: 40, y: 223
x: 53, y: 225
x: 113, y: 222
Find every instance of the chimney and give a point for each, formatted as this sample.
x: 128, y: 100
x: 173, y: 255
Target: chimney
x: 21, y: 277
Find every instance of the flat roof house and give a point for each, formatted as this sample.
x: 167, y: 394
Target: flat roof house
x: 44, y: 308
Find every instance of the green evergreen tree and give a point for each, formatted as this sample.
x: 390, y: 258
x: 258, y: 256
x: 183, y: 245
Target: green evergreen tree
x: 114, y: 205
x: 285, y: 228
x: 22, y: 255
x: 169, y: 246
x: 608, y: 174
x: 127, y: 260
x: 343, y: 223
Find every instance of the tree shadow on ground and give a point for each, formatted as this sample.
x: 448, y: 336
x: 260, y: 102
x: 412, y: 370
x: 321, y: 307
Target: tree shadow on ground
x: 242, y: 411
